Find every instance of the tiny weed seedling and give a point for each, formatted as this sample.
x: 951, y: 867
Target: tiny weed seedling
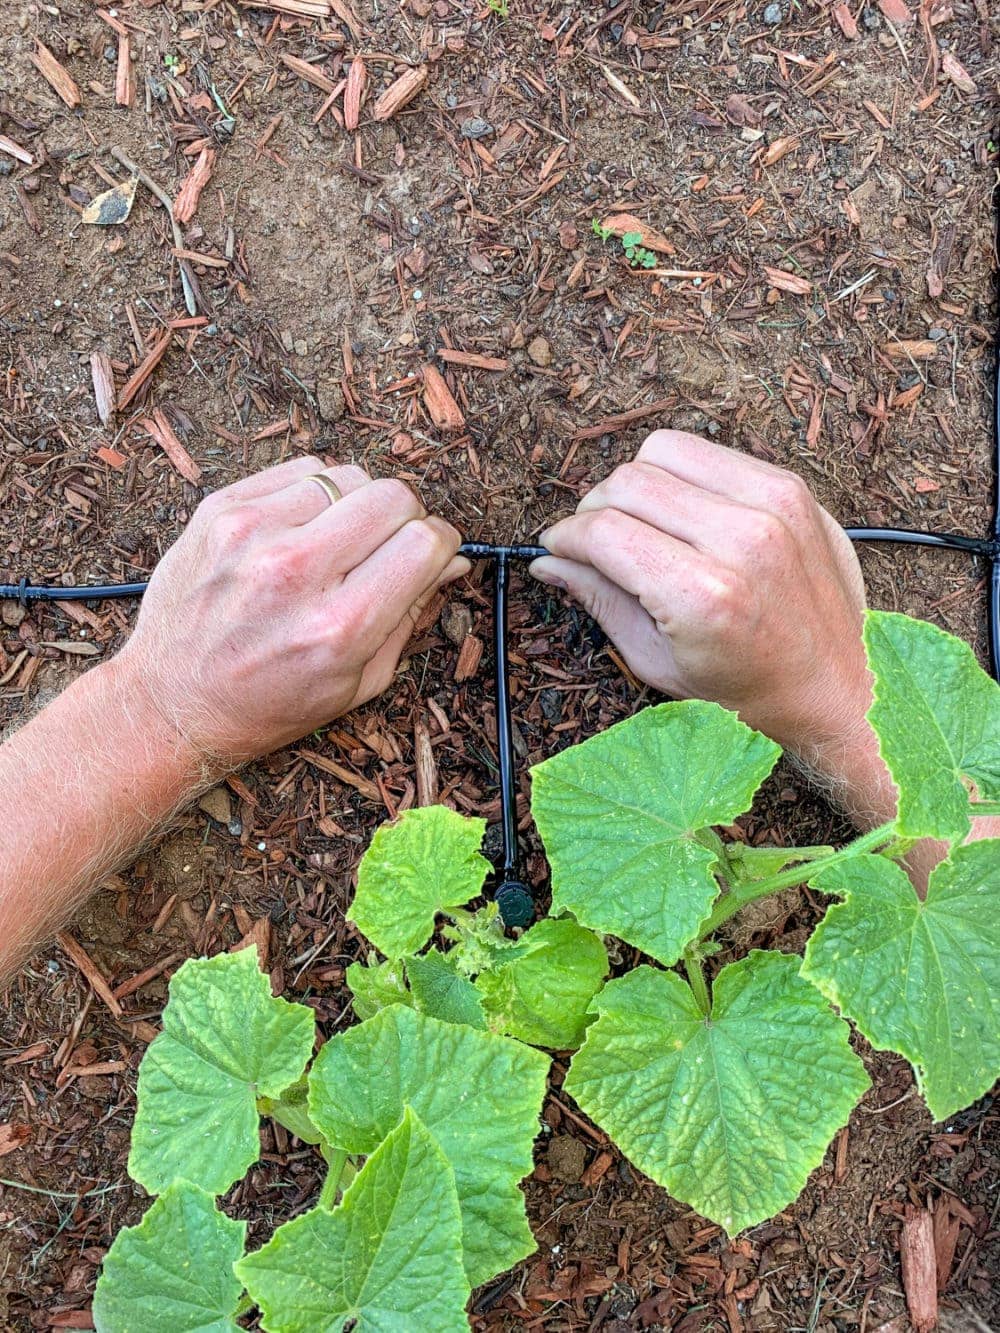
x: 724, y: 1080
x: 635, y: 252
x: 499, y: 7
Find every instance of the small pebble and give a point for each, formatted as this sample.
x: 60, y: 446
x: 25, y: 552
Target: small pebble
x: 773, y: 15
x: 476, y: 128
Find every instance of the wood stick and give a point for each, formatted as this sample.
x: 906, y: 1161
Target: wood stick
x: 622, y: 419
x: 54, y: 74
x: 124, y: 90
x: 162, y: 432
x: 187, y: 277
x: 15, y: 150
x: 96, y: 979
x: 144, y: 369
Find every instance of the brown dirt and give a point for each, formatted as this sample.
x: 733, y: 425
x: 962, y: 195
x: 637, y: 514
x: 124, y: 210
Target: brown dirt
x: 331, y: 235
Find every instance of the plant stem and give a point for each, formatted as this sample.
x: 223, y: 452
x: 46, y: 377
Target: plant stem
x: 336, y: 1159
x: 731, y: 903
x: 978, y: 808
x: 696, y: 978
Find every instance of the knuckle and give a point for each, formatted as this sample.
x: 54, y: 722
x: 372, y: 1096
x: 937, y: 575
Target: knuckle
x: 606, y: 526
x: 344, y: 627
x: 232, y: 526
x: 765, y: 532
x: 790, y: 496
x: 720, y: 599
x: 396, y: 495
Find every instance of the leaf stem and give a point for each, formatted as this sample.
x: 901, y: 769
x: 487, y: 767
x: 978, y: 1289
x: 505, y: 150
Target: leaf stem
x: 336, y: 1159
x: 696, y: 978
x: 731, y: 903
x: 979, y: 808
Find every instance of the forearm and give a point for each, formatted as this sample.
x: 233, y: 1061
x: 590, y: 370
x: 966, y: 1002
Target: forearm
x: 83, y: 784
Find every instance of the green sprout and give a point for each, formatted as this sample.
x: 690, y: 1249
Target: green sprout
x: 635, y: 252
x: 499, y: 7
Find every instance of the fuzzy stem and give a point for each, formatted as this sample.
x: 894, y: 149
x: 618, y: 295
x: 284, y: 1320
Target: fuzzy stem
x: 979, y: 808
x: 696, y: 979
x: 731, y: 903
x: 336, y: 1160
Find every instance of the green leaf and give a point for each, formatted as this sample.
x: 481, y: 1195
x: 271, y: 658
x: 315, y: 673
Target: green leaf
x: 543, y: 998
x: 937, y: 716
x: 631, y: 239
x: 424, y: 863
x: 389, y: 1257
x: 173, y: 1273
x: 619, y: 813
x: 375, y: 986
x: 919, y: 978
x: 440, y: 991
x: 730, y: 1113
x: 225, y: 1042
x: 479, y: 1095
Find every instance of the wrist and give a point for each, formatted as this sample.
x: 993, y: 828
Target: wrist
x: 151, y: 739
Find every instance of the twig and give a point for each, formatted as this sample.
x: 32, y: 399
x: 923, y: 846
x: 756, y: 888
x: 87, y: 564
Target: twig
x: 187, y: 278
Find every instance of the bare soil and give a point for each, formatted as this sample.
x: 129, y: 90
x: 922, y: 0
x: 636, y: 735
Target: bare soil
x: 342, y: 263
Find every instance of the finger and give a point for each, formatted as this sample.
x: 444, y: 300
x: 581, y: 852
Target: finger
x: 345, y: 534
x: 622, y: 618
x: 379, y: 592
x: 724, y: 472
x: 668, y: 576
x: 656, y: 497
x: 378, y: 674
x: 261, y: 484
x: 303, y: 500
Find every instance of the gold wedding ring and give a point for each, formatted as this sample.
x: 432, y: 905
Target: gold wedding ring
x: 326, y: 486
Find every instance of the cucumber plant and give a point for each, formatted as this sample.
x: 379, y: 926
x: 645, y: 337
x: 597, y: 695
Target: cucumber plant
x: 725, y: 1089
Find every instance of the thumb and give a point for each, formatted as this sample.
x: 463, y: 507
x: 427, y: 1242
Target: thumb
x: 617, y: 612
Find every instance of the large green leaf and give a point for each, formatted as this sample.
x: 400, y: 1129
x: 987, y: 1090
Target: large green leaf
x: 173, y: 1273
x: 619, y: 813
x: 937, y: 716
x: 729, y: 1113
x: 387, y: 1260
x: 919, y: 978
x: 375, y: 986
x: 424, y: 863
x: 441, y: 991
x: 479, y: 1095
x: 543, y: 997
x: 225, y: 1042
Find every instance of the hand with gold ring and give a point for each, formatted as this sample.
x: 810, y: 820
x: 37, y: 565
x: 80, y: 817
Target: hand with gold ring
x: 287, y: 601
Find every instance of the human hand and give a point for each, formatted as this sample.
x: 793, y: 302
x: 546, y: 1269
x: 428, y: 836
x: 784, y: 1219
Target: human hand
x: 276, y: 611
x: 720, y: 577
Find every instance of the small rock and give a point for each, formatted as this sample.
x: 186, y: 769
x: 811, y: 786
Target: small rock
x: 936, y: 335
x: 475, y: 128
x: 111, y: 54
x: 287, y: 341
x: 773, y: 15
x: 301, y: 347
x: 540, y: 351
x: 330, y: 397
x: 566, y: 1158
x: 217, y: 805
x: 12, y: 614
x: 456, y: 622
